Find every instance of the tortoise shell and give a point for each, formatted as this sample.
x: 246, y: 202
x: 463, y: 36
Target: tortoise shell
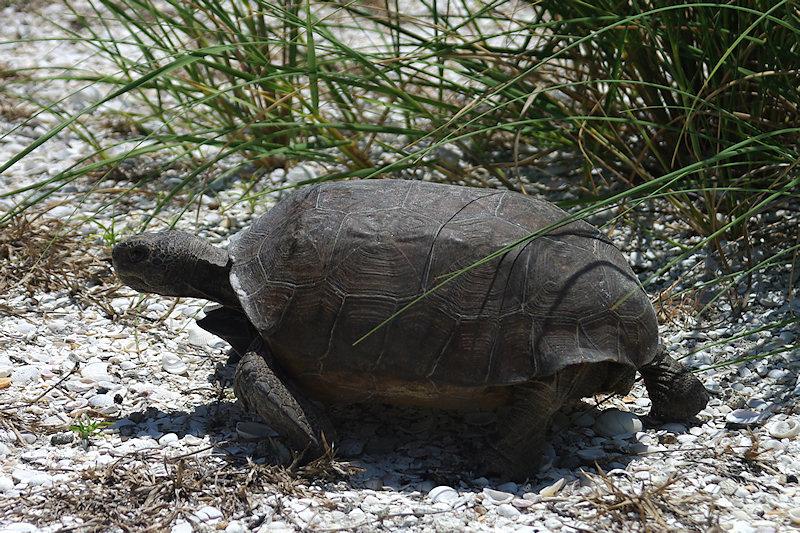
x: 330, y: 262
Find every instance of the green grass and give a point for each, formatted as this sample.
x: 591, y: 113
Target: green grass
x: 693, y: 106
x: 85, y: 428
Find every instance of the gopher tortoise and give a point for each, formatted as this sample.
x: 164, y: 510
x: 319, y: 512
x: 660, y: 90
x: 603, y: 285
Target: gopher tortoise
x: 556, y: 318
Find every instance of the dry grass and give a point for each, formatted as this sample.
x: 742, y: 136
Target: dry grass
x: 45, y: 254
x: 14, y: 110
x: 23, y: 5
x: 131, y: 494
x: 674, y: 308
x: 639, y: 506
x: 6, y: 72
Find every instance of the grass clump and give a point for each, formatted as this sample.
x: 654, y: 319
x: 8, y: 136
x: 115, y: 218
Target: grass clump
x: 692, y: 106
x: 86, y: 428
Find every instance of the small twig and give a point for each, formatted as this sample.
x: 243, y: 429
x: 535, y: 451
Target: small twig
x: 42, y: 395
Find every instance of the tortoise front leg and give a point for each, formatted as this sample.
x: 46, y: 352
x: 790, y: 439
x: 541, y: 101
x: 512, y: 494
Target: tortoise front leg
x: 262, y: 391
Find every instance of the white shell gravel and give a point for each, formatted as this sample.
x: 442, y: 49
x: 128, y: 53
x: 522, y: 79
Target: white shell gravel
x: 96, y: 371
x: 174, y: 364
x: 744, y: 417
x: 552, y: 490
x: 497, y: 497
x: 199, y: 337
x: 784, y: 429
x: 254, y: 431
x: 508, y: 511
x: 123, y: 361
x: 23, y: 375
x: 442, y: 493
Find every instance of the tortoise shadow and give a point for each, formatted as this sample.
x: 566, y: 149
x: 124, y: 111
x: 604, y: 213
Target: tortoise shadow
x: 404, y: 449
x: 393, y: 448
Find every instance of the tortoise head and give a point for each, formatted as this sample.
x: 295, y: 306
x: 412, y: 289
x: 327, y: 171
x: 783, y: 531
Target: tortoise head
x: 174, y: 263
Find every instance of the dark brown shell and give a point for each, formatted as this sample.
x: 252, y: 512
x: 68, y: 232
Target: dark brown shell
x: 330, y: 262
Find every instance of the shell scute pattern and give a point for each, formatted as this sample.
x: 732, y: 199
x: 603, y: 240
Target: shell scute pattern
x: 326, y: 265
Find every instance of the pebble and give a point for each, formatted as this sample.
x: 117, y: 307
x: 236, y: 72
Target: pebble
x: 553, y: 523
x: 497, y: 497
x: 173, y: 364
x: 57, y: 326
x: 757, y: 404
x: 234, y: 526
x: 102, y: 402
x: 25, y: 328
x: 508, y: 487
x: 167, y: 439
x: 522, y: 503
x: 357, y: 515
x: 613, y: 422
x: 208, y: 513
x: 300, y: 173
x: 728, y: 486
x: 32, y: 478
x: 779, y: 374
x: 75, y: 385
x: 181, y: 526
x: 506, y: 510
x: 59, y: 439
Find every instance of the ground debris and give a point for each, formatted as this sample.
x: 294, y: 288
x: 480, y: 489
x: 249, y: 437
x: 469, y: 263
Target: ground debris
x: 134, y: 494
x: 38, y: 253
x: 647, y: 506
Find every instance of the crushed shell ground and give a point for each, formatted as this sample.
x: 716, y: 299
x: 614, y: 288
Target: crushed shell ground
x: 116, y: 411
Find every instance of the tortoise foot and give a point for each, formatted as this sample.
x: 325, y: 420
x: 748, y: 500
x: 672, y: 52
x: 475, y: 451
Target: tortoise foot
x: 296, y: 418
x: 675, y: 392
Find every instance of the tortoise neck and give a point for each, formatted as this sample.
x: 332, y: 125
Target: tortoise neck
x: 210, y: 276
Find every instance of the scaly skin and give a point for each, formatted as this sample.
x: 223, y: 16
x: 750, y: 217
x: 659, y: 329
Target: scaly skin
x: 676, y: 394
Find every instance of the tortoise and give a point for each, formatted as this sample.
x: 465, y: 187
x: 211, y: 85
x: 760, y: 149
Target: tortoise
x: 307, y: 289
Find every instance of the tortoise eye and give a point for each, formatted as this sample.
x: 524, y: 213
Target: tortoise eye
x: 137, y: 254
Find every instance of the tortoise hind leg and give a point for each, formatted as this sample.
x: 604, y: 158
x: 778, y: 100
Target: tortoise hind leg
x: 262, y: 391
x: 528, y: 419
x: 523, y: 427
x: 675, y: 393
